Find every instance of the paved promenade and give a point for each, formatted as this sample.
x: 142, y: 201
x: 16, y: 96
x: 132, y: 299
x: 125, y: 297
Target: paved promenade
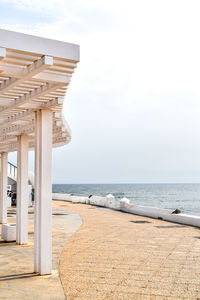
x: 112, y: 256
x: 121, y: 256
x: 17, y: 280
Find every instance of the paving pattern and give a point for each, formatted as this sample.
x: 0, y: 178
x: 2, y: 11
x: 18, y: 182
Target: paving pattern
x: 115, y: 255
x: 112, y: 255
x: 17, y: 280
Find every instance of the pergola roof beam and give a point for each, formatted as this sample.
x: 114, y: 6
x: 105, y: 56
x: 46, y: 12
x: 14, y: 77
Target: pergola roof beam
x: 26, y: 114
x: 34, y: 75
x: 53, y: 77
x: 28, y: 97
x: 27, y: 73
x: 12, y: 146
x: 2, y: 53
x: 23, y: 128
x: 57, y: 131
x: 33, y: 44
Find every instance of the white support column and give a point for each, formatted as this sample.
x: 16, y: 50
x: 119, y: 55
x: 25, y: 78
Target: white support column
x: 36, y: 192
x: 22, y: 190
x: 43, y: 192
x: 3, y: 187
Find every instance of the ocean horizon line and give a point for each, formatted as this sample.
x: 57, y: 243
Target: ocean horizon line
x: 128, y: 183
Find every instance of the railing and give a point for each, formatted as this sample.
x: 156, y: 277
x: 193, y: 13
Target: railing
x: 12, y: 170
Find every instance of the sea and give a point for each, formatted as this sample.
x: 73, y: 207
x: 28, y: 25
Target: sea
x: 185, y: 197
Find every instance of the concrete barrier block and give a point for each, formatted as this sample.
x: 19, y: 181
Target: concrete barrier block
x: 83, y: 200
x: 125, y: 205
x: 63, y: 197
x: 184, y: 219
x: 97, y: 200
x: 149, y: 211
x: 111, y: 202
x: 8, y: 232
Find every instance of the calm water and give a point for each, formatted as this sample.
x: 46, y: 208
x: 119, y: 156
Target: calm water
x: 186, y: 197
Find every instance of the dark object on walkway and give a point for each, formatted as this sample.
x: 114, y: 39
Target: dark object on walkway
x: 90, y: 196
x: 176, y: 211
x: 140, y: 222
x: 33, y: 194
x: 14, y: 198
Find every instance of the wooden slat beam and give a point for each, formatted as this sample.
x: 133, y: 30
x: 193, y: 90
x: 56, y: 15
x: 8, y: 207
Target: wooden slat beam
x: 25, y: 73
x: 27, y: 98
x: 2, y: 53
x: 20, y: 128
x: 57, y: 132
x: 26, y: 114
x: 31, y: 79
x: 53, y: 77
x: 12, y: 146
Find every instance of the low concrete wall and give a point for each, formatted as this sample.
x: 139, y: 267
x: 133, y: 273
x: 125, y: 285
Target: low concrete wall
x: 184, y: 219
x: 64, y: 197
x: 125, y: 206
x: 109, y: 201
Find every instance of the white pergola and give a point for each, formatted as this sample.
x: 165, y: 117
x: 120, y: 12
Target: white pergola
x: 34, y: 76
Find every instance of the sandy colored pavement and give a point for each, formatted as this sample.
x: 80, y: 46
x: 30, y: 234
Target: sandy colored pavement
x: 17, y: 280
x: 115, y: 255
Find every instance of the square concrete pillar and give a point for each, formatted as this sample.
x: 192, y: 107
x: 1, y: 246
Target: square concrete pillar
x: 43, y: 192
x: 22, y: 190
x: 3, y: 187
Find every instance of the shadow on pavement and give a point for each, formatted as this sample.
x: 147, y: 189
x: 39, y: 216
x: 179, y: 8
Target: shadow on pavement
x: 18, y: 276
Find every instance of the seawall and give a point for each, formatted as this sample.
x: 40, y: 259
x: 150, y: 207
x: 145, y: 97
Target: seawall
x: 124, y: 205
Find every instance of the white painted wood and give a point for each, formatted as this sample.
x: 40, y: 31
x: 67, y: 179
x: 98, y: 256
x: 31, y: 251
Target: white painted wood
x: 43, y: 191
x: 34, y: 73
x: 44, y: 46
x: 2, y: 53
x: 3, y: 187
x: 28, y: 114
x: 52, y: 77
x: 8, y: 136
x: 22, y: 190
x: 28, y: 97
x: 26, y: 73
x: 37, y: 190
x: 57, y: 141
x: 14, y: 128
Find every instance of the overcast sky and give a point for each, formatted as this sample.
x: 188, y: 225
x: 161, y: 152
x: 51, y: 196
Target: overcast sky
x: 134, y: 101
